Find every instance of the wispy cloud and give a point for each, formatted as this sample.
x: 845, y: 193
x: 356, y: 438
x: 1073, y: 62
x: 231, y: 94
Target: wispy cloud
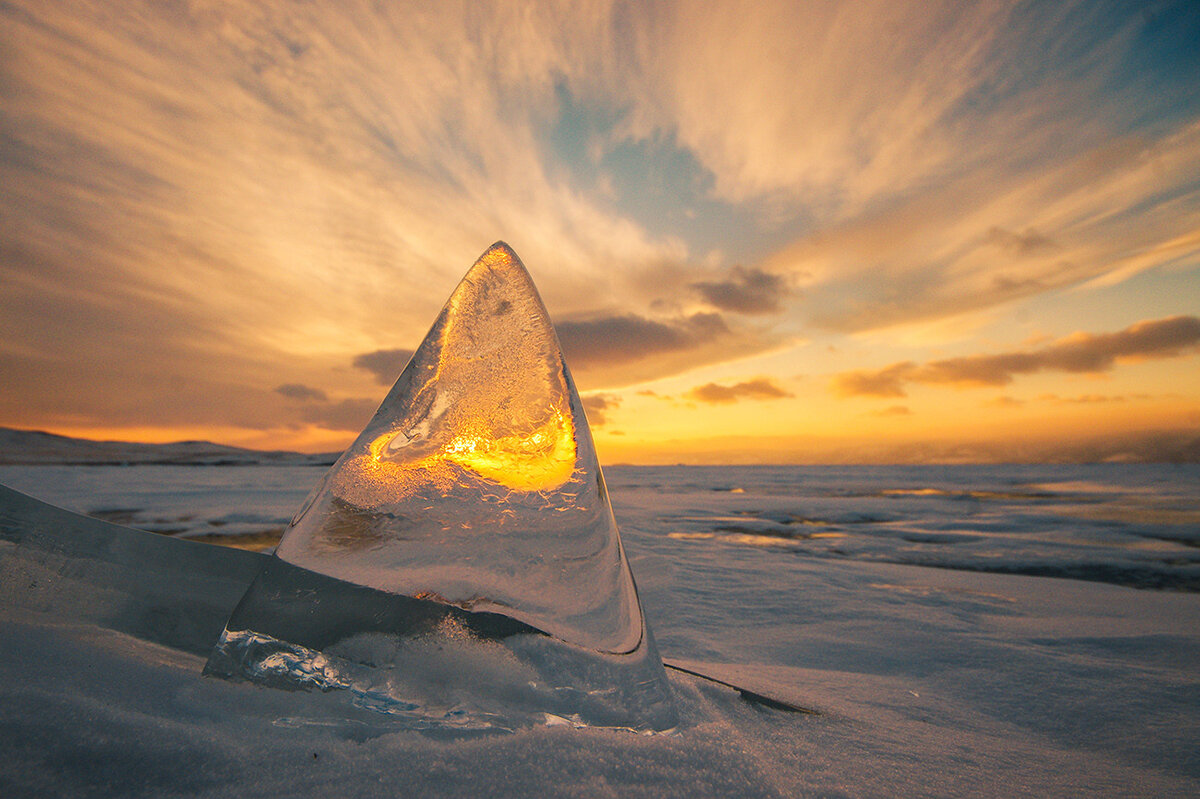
x: 609, y: 351
x: 350, y: 415
x: 746, y: 291
x: 597, y: 406
x: 888, y: 382
x: 990, y: 237
x: 1030, y: 242
x: 1093, y: 399
x: 626, y: 338
x: 206, y: 203
x: 761, y: 388
x: 384, y: 364
x: 281, y: 181
x: 893, y: 410
x: 299, y: 391
x: 1082, y: 352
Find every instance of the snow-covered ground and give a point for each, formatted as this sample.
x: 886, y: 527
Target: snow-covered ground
x: 811, y: 584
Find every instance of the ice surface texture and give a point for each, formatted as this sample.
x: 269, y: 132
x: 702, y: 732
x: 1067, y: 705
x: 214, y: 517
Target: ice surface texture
x: 471, y: 510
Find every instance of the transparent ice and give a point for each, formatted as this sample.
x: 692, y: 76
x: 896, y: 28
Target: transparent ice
x: 460, y: 563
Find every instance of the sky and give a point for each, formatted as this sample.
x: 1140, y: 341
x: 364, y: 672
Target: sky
x: 766, y: 232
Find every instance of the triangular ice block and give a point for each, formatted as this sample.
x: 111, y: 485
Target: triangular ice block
x: 460, y: 561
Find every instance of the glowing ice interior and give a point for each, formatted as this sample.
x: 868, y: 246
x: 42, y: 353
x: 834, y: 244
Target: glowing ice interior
x: 475, y: 491
x: 476, y: 484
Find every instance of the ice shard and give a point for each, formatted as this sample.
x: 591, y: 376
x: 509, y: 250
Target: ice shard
x: 460, y: 565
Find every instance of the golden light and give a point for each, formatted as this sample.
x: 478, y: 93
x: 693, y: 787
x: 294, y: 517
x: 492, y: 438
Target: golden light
x: 539, y: 460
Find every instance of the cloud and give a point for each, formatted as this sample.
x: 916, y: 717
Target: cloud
x: 1082, y: 352
x: 351, y: 414
x: 384, y: 364
x: 748, y: 291
x: 299, y: 391
x: 761, y: 388
x: 316, y: 177
x: 1000, y: 83
x: 1093, y: 399
x: 1028, y: 243
x: 980, y: 239
x: 832, y: 134
x: 348, y: 414
x: 1079, y: 353
x: 887, y: 382
x: 628, y: 337
x: 597, y: 404
x: 616, y: 350
x: 893, y: 410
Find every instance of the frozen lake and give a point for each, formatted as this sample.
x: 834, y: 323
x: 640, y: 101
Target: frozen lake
x: 963, y: 630
x: 1136, y: 525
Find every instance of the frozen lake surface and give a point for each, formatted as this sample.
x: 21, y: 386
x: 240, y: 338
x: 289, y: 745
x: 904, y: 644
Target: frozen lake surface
x: 963, y: 630
x: 1136, y: 525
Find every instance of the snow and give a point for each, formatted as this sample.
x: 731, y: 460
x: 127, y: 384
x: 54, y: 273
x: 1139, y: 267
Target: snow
x: 955, y: 680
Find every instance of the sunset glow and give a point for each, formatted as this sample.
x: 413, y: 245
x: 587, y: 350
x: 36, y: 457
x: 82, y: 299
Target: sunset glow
x: 540, y: 460
x: 779, y: 232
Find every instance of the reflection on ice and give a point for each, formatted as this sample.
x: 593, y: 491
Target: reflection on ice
x: 473, y: 495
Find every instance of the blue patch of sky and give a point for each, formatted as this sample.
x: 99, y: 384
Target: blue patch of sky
x: 659, y: 184
x: 1150, y: 81
x: 1165, y: 61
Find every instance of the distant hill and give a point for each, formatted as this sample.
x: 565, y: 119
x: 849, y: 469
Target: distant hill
x: 36, y: 447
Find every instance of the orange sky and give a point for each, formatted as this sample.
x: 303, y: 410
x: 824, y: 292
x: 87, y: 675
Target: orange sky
x: 776, y: 233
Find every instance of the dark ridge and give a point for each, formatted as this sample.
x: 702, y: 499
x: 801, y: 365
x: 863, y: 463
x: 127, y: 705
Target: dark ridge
x: 753, y: 697
x: 1142, y: 578
x: 36, y: 447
